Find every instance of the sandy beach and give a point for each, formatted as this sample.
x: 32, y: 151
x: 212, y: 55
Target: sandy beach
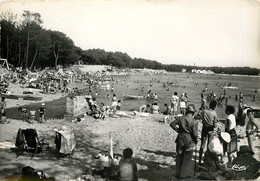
x: 152, y: 143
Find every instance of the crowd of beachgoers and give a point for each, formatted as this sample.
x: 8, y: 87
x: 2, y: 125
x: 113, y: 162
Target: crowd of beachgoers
x: 220, y: 145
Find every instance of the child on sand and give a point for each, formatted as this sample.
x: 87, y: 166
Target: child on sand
x: 24, y: 114
x: 42, y: 113
x: 127, y: 166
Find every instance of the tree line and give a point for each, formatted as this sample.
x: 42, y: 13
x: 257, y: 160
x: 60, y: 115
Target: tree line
x: 25, y: 43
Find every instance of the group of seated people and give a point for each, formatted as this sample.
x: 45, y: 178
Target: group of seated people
x: 153, y: 108
x: 102, y: 111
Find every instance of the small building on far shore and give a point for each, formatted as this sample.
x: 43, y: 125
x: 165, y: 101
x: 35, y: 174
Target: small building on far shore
x: 197, y: 71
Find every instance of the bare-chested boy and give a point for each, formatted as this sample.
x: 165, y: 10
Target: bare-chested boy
x: 252, y: 127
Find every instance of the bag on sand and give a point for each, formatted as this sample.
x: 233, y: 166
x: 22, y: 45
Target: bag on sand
x: 29, y: 173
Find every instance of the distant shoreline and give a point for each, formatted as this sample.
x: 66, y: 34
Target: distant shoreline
x: 236, y: 75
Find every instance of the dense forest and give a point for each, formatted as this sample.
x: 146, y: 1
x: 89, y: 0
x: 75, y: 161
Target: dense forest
x: 25, y: 43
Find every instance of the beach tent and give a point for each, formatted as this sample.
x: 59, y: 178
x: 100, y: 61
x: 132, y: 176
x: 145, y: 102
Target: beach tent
x: 65, y: 141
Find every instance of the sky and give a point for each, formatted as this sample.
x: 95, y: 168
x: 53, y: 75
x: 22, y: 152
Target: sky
x: 201, y: 32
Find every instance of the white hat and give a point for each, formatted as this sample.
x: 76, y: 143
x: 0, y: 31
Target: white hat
x: 43, y: 104
x: 225, y: 136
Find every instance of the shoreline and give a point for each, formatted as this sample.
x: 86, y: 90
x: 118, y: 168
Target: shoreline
x: 18, y: 89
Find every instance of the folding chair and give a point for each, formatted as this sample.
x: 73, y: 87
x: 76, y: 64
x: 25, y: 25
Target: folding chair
x: 27, y: 140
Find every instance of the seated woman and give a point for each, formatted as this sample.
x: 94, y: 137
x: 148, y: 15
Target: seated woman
x: 98, y: 113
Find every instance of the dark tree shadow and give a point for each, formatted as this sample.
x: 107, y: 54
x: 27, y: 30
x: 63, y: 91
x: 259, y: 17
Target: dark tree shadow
x: 156, y: 170
x: 81, y: 162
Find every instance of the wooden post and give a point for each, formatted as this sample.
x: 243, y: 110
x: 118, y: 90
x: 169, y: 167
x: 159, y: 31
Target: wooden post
x: 111, y: 157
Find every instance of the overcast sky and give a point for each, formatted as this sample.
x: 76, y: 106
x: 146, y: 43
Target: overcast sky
x: 204, y: 32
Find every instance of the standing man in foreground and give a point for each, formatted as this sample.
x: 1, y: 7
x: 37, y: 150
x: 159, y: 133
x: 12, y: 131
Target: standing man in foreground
x: 209, y: 120
x: 187, y: 129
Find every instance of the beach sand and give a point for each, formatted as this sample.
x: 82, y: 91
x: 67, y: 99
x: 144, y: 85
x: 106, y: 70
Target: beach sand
x: 153, y: 144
